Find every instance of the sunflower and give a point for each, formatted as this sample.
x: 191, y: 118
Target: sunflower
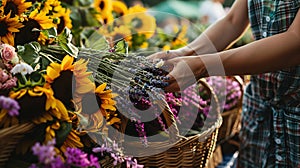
x: 105, y: 17
x: 120, y: 33
x: 15, y: 7
x: 107, y: 104
x: 68, y: 79
x: 9, y: 26
x: 136, y: 9
x: 93, y: 107
x: 142, y: 23
x: 119, y: 8
x: 72, y: 141
x: 36, y: 20
x: 103, y: 6
x: 69, y: 137
x: 46, y: 107
x: 180, y: 39
x: 64, y: 18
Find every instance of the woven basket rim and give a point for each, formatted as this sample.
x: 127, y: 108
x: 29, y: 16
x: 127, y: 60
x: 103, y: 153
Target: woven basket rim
x: 167, y: 144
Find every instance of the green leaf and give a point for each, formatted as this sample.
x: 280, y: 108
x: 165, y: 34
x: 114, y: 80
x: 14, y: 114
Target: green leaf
x: 37, y: 79
x: 121, y: 47
x: 95, y: 40
x: 29, y: 52
x: 64, y: 41
x: 85, y: 2
x: 90, y: 17
x: 50, y: 33
x: 63, y: 132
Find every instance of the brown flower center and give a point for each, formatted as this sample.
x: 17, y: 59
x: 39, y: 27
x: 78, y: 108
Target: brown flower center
x: 61, y: 25
x: 32, y: 107
x: 11, y: 7
x: 27, y: 34
x: 63, y: 88
x: 3, y: 28
x: 102, y: 5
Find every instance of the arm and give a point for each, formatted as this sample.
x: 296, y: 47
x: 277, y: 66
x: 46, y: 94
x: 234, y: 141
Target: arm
x: 221, y: 34
x: 217, y: 37
x: 265, y: 55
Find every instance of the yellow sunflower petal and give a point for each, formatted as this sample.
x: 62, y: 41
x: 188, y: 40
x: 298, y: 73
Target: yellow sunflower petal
x: 108, y: 107
x: 100, y: 88
x: 66, y: 63
x: 52, y: 73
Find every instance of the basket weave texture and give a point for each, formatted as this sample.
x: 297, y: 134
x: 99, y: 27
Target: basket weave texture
x: 231, y: 118
x: 178, y: 151
x: 10, y: 137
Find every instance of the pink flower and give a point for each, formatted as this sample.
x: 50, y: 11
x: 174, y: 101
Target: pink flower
x: 8, y: 53
x: 6, y: 80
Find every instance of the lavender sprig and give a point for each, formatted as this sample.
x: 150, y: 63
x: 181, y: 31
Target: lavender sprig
x: 10, y: 105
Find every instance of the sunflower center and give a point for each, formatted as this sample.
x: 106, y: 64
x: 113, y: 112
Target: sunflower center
x: 61, y: 25
x: 90, y: 103
x: 3, y: 28
x: 26, y: 33
x: 27, y: 102
x: 118, y: 37
x: 137, y: 23
x: 63, y: 88
x: 101, y: 5
x: 11, y: 7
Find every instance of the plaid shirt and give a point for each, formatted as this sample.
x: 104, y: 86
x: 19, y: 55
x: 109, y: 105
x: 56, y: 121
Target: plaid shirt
x: 270, y: 134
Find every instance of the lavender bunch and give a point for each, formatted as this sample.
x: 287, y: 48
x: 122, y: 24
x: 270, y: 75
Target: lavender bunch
x: 114, y: 152
x: 48, y: 158
x: 137, y: 81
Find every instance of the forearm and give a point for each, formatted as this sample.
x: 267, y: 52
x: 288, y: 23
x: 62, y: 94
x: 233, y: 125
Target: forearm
x: 266, y: 55
x: 221, y: 34
x: 214, y: 39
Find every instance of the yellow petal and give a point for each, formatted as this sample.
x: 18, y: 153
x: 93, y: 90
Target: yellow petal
x: 52, y: 73
x: 100, y: 88
x: 67, y: 63
x: 108, y: 107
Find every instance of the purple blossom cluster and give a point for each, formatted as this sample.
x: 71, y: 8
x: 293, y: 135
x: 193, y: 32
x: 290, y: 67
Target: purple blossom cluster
x: 188, y: 107
x: 48, y: 158
x: 232, y: 90
x: 10, y: 105
x: 118, y: 158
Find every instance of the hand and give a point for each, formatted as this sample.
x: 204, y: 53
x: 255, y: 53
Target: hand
x: 185, y: 71
x: 165, y: 55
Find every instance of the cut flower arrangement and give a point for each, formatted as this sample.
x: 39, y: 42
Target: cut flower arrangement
x: 66, y: 86
x: 57, y: 94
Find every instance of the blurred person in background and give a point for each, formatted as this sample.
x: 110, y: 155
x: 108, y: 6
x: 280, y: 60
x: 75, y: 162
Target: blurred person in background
x: 270, y: 132
x: 210, y: 11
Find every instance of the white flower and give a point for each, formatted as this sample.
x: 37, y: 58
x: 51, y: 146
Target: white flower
x: 22, y: 68
x: 159, y: 64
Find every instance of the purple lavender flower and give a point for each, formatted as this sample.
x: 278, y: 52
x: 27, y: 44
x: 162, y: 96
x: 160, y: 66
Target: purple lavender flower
x: 45, y: 153
x: 94, y: 161
x: 10, y: 105
x: 132, y: 163
x: 102, y: 149
x: 76, y: 157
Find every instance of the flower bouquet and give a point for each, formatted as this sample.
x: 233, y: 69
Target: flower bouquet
x: 69, y: 92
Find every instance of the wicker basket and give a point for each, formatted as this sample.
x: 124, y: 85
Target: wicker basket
x: 178, y: 151
x: 10, y: 137
x: 231, y: 118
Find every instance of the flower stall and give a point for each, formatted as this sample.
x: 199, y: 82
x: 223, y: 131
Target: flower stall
x: 76, y: 90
